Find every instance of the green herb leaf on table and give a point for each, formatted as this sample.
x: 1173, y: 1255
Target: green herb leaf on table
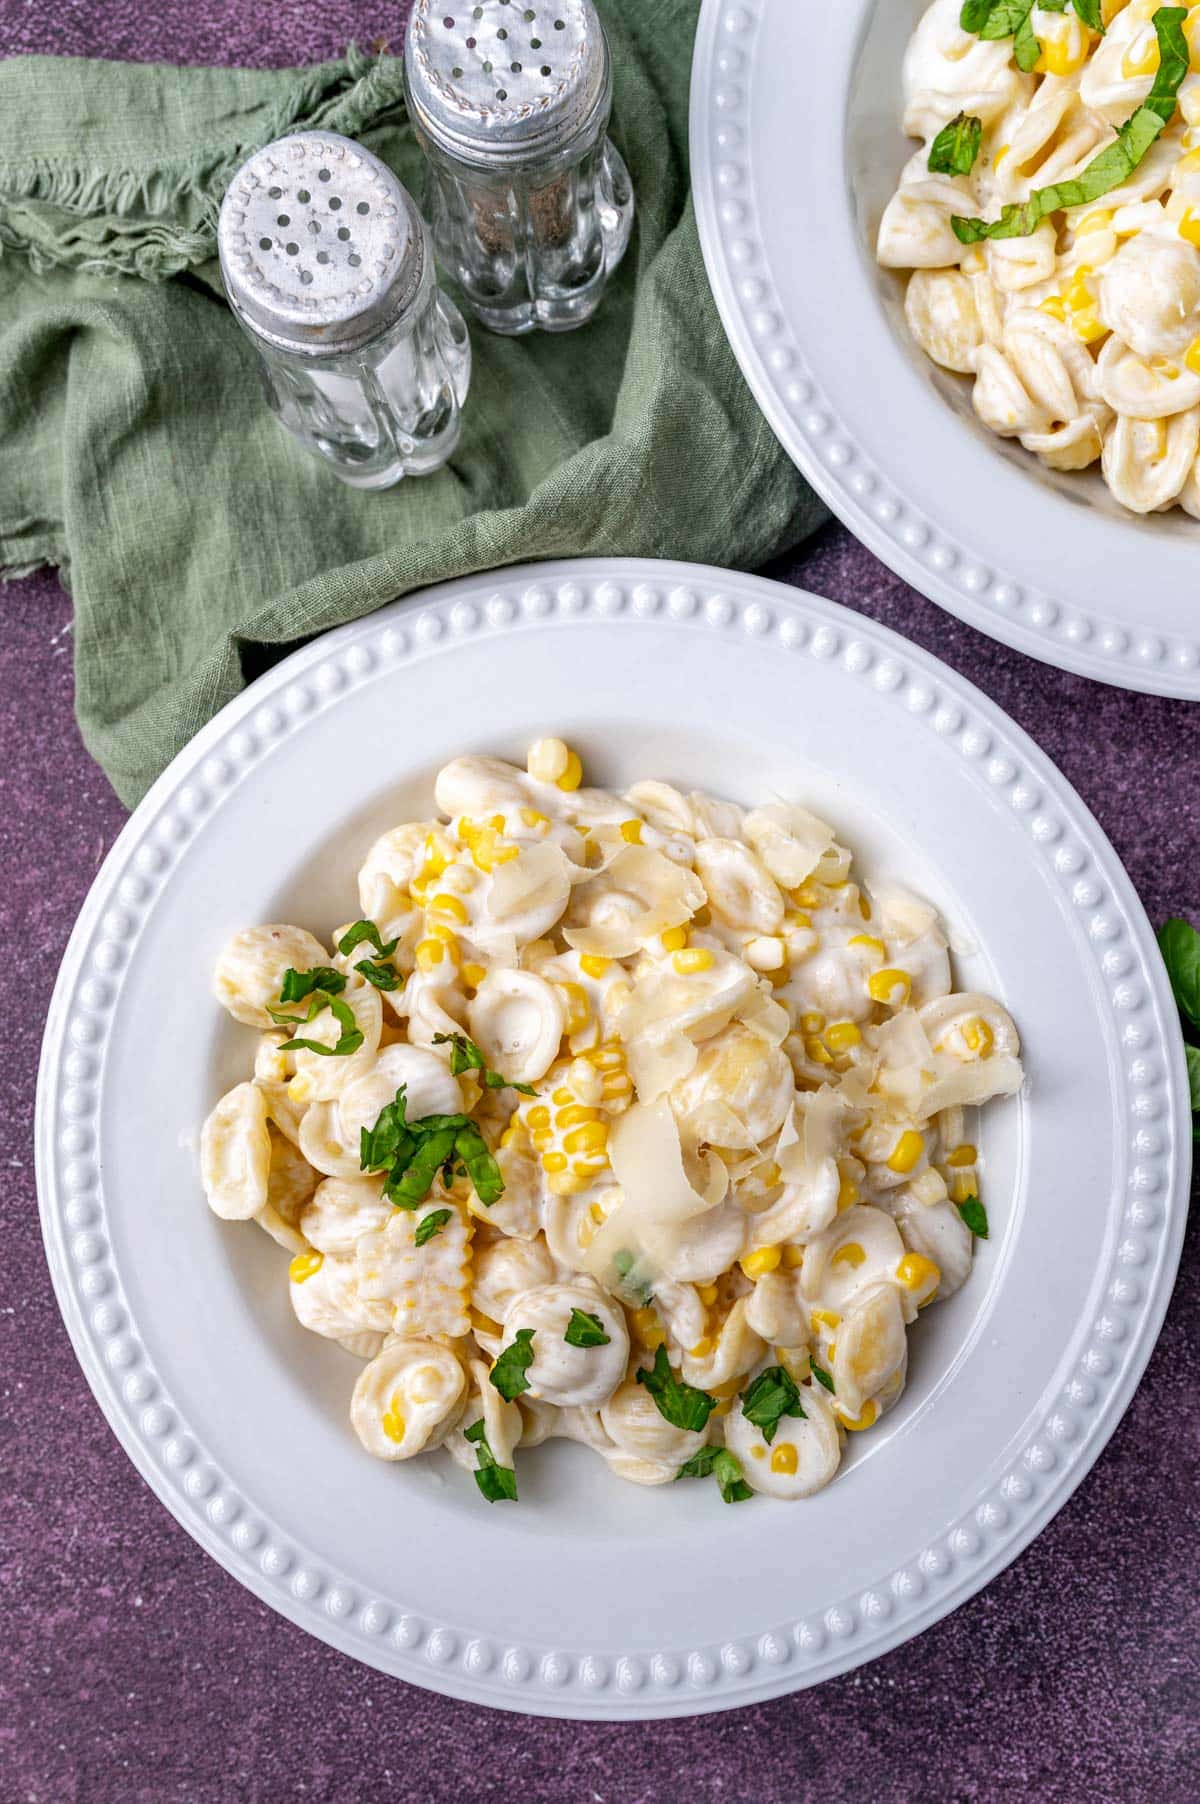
x: 773, y: 1395
x: 1179, y: 944
x: 365, y: 930
x: 431, y: 1224
x: 975, y: 1216
x: 350, y: 1037
x: 682, y: 1405
x: 822, y: 1377
x: 954, y: 150
x: 508, y: 1373
x: 586, y: 1330
x: 466, y: 1056
x: 727, y: 1470
x: 1112, y: 166
x: 299, y: 984
x: 498, y: 1483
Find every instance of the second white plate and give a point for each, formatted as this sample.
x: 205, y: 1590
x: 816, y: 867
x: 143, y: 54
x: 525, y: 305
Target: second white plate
x: 796, y: 147
x: 592, y: 1597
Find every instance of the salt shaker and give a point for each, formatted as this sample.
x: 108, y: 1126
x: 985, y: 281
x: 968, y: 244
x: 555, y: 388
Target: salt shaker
x: 531, y: 205
x: 328, y: 267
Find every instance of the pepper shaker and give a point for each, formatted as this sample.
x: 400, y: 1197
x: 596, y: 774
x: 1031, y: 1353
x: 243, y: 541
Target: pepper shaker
x: 328, y: 267
x: 531, y: 205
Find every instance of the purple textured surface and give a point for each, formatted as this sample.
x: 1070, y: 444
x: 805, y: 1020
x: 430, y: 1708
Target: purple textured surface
x: 134, y: 1671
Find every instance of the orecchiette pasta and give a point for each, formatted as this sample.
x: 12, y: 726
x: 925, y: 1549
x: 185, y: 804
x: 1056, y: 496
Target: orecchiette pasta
x: 662, y: 1144
x: 1080, y: 328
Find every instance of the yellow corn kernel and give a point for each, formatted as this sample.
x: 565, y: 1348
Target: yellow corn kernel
x: 917, y: 1273
x: 674, y: 939
x: 438, y: 930
x: 438, y: 854
x: 597, y: 1213
x: 1055, y: 306
x: 1189, y: 227
x: 608, y: 1056
x: 906, y: 1152
x: 647, y: 1329
x: 694, y: 960
x: 446, y: 904
x: 812, y: 1023
x: 707, y: 1294
x: 300, y: 1088
x: 429, y: 954
x: 539, y: 1117
x: 1095, y: 221
x: 554, y: 1162
x: 864, y: 906
x: 574, y: 1114
x: 592, y: 1137
x: 1192, y: 357
x: 784, y: 1459
x: 807, y: 896
x: 547, y: 760
x: 795, y: 1362
x: 533, y: 817
x: 831, y: 1352
x: 1078, y: 293
x: 562, y: 1098
x: 1063, y: 57
x: 793, y: 1258
x: 631, y: 832
x: 978, y: 1037
x: 592, y: 965
x: 757, y: 1264
x: 566, y: 1183
x: 797, y: 921
x: 702, y: 1348
x: 1000, y: 155
x: 617, y: 1084
x: 891, y: 986
x: 847, y: 1189
x: 1143, y: 62
x: 965, y: 1154
x: 305, y: 1265
x: 815, y: 1050
x: 868, y: 1418
x: 840, y: 1036
x: 851, y: 1254
x: 393, y: 1421
x: 757, y: 1452
x: 869, y: 944
x: 579, y: 1008
x: 962, y: 1185
x: 825, y: 1318
x: 572, y: 777
x: 1087, y: 325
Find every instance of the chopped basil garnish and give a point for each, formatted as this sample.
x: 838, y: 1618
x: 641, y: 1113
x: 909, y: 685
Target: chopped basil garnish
x: 700, y: 1464
x: 993, y: 20
x: 585, y: 1330
x: 822, y: 1376
x: 349, y: 1040
x: 384, y: 977
x: 727, y: 1470
x: 1110, y: 167
x: 975, y: 1216
x: 365, y: 930
x: 682, y: 1405
x: 508, y: 1373
x: 466, y: 1056
x: 413, y: 1152
x: 498, y: 1483
x: 772, y: 1396
x: 431, y: 1224
x: 299, y: 984
x: 954, y: 150
x: 1179, y: 944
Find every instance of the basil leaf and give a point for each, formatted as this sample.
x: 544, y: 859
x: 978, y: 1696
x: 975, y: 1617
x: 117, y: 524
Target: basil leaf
x: 1112, y: 166
x: 431, y: 1224
x: 993, y: 20
x: 482, y: 1168
x: 365, y: 930
x: 384, y: 977
x: 1193, y: 1070
x: 975, y: 1216
x: 498, y: 1483
x: 822, y: 1376
x: 727, y: 1470
x: 700, y: 1464
x: 1089, y: 11
x: 349, y: 1040
x: 299, y: 984
x: 378, y: 1145
x: 586, y: 1330
x: 773, y: 1395
x: 682, y: 1405
x: 954, y: 150
x: 466, y: 1056
x: 508, y: 1373
x: 410, y: 1183
x: 1179, y: 944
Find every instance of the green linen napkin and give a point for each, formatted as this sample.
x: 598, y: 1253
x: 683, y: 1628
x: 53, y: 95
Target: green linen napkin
x: 136, y: 452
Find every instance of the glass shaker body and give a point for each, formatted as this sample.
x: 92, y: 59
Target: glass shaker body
x: 328, y: 267
x: 530, y: 202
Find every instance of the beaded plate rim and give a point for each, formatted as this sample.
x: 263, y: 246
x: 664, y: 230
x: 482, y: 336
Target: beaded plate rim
x: 863, y: 483
x: 1108, y: 1355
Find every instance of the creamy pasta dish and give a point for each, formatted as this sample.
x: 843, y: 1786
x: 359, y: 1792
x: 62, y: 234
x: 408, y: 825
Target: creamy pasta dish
x: 627, y: 1118
x: 1051, y: 222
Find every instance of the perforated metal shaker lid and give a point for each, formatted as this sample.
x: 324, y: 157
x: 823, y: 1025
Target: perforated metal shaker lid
x: 321, y: 247
x: 504, y: 81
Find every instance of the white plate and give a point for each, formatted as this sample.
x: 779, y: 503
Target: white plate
x: 592, y: 1597
x: 796, y: 147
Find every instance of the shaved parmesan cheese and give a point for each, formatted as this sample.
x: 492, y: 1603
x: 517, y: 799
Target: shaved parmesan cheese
x: 662, y: 895
x: 790, y: 841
